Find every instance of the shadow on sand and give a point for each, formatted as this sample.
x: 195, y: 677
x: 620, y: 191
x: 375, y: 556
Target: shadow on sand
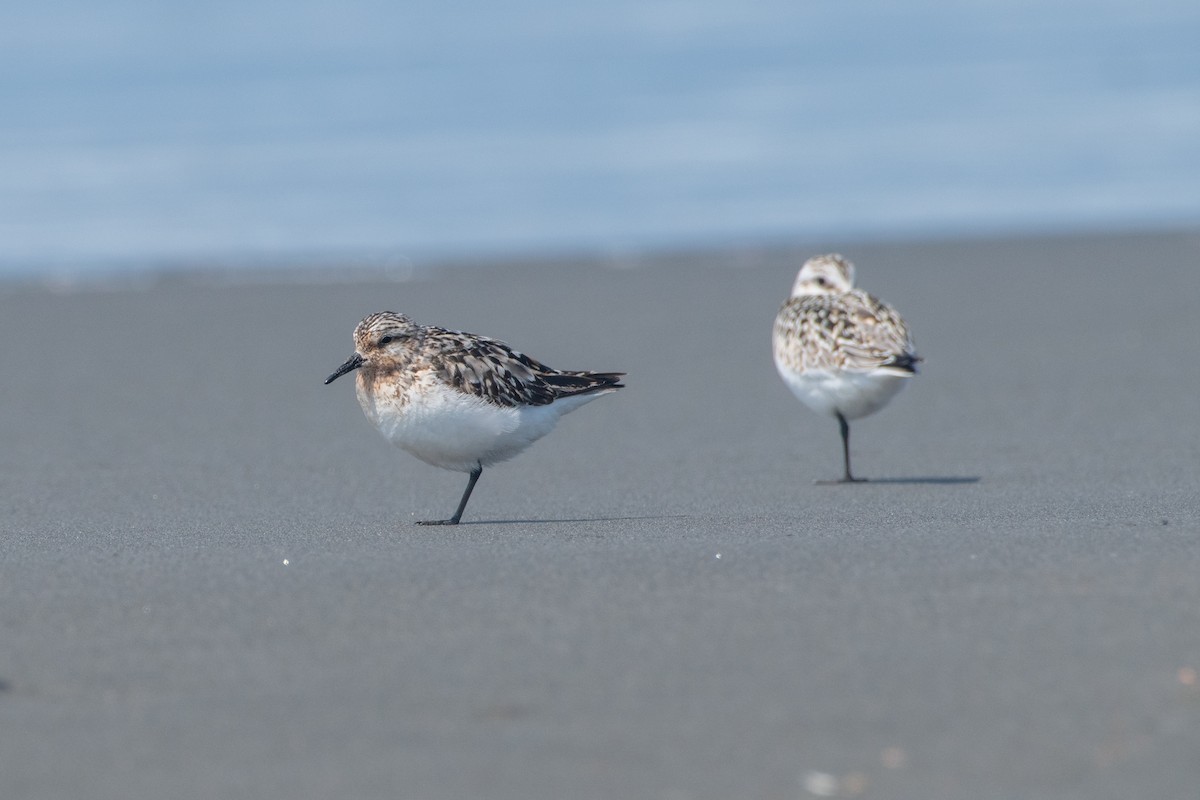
x: 564, y: 521
x: 935, y: 480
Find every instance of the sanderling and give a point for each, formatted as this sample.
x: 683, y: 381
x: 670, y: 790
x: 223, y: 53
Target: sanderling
x: 840, y: 350
x: 456, y: 400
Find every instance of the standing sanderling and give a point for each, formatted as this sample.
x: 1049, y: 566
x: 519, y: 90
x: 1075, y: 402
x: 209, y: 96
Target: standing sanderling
x: 459, y: 401
x: 840, y: 350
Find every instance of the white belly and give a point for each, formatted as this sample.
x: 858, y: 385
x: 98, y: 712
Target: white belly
x: 455, y: 431
x: 851, y: 394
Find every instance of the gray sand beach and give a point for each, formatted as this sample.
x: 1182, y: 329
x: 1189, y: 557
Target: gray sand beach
x: 211, y: 586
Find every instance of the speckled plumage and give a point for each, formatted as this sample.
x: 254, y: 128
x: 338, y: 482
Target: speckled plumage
x: 850, y: 331
x: 475, y: 365
x: 840, y: 350
x: 456, y: 400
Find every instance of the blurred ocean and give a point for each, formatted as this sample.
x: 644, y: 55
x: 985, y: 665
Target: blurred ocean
x: 137, y: 134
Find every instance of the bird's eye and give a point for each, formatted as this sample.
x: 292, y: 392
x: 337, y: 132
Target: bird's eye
x: 386, y: 340
x: 821, y: 281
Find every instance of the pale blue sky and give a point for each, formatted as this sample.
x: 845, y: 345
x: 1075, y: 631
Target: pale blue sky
x: 137, y: 132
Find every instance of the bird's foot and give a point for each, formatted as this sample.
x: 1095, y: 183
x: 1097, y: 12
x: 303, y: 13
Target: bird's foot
x: 451, y: 521
x: 840, y: 481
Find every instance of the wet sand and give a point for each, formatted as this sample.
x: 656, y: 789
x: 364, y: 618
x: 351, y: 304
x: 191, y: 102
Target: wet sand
x: 210, y: 583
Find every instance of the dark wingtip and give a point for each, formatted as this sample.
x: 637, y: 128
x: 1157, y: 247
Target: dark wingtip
x: 567, y: 383
x: 907, y: 362
x: 605, y: 380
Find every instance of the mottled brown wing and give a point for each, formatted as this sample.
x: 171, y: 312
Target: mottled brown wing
x: 876, y: 336
x: 851, y: 331
x: 492, y: 370
x: 489, y: 369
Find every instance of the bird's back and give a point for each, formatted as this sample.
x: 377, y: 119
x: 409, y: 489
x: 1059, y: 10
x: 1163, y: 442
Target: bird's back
x: 851, y: 331
x: 493, y: 371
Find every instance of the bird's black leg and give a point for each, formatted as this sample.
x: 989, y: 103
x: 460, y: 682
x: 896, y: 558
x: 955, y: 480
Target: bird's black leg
x: 845, y: 428
x: 462, y: 504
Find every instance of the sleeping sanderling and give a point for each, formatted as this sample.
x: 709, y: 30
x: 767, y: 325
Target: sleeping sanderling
x: 840, y: 350
x: 456, y: 400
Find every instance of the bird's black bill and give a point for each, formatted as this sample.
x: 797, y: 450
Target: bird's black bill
x: 352, y: 363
